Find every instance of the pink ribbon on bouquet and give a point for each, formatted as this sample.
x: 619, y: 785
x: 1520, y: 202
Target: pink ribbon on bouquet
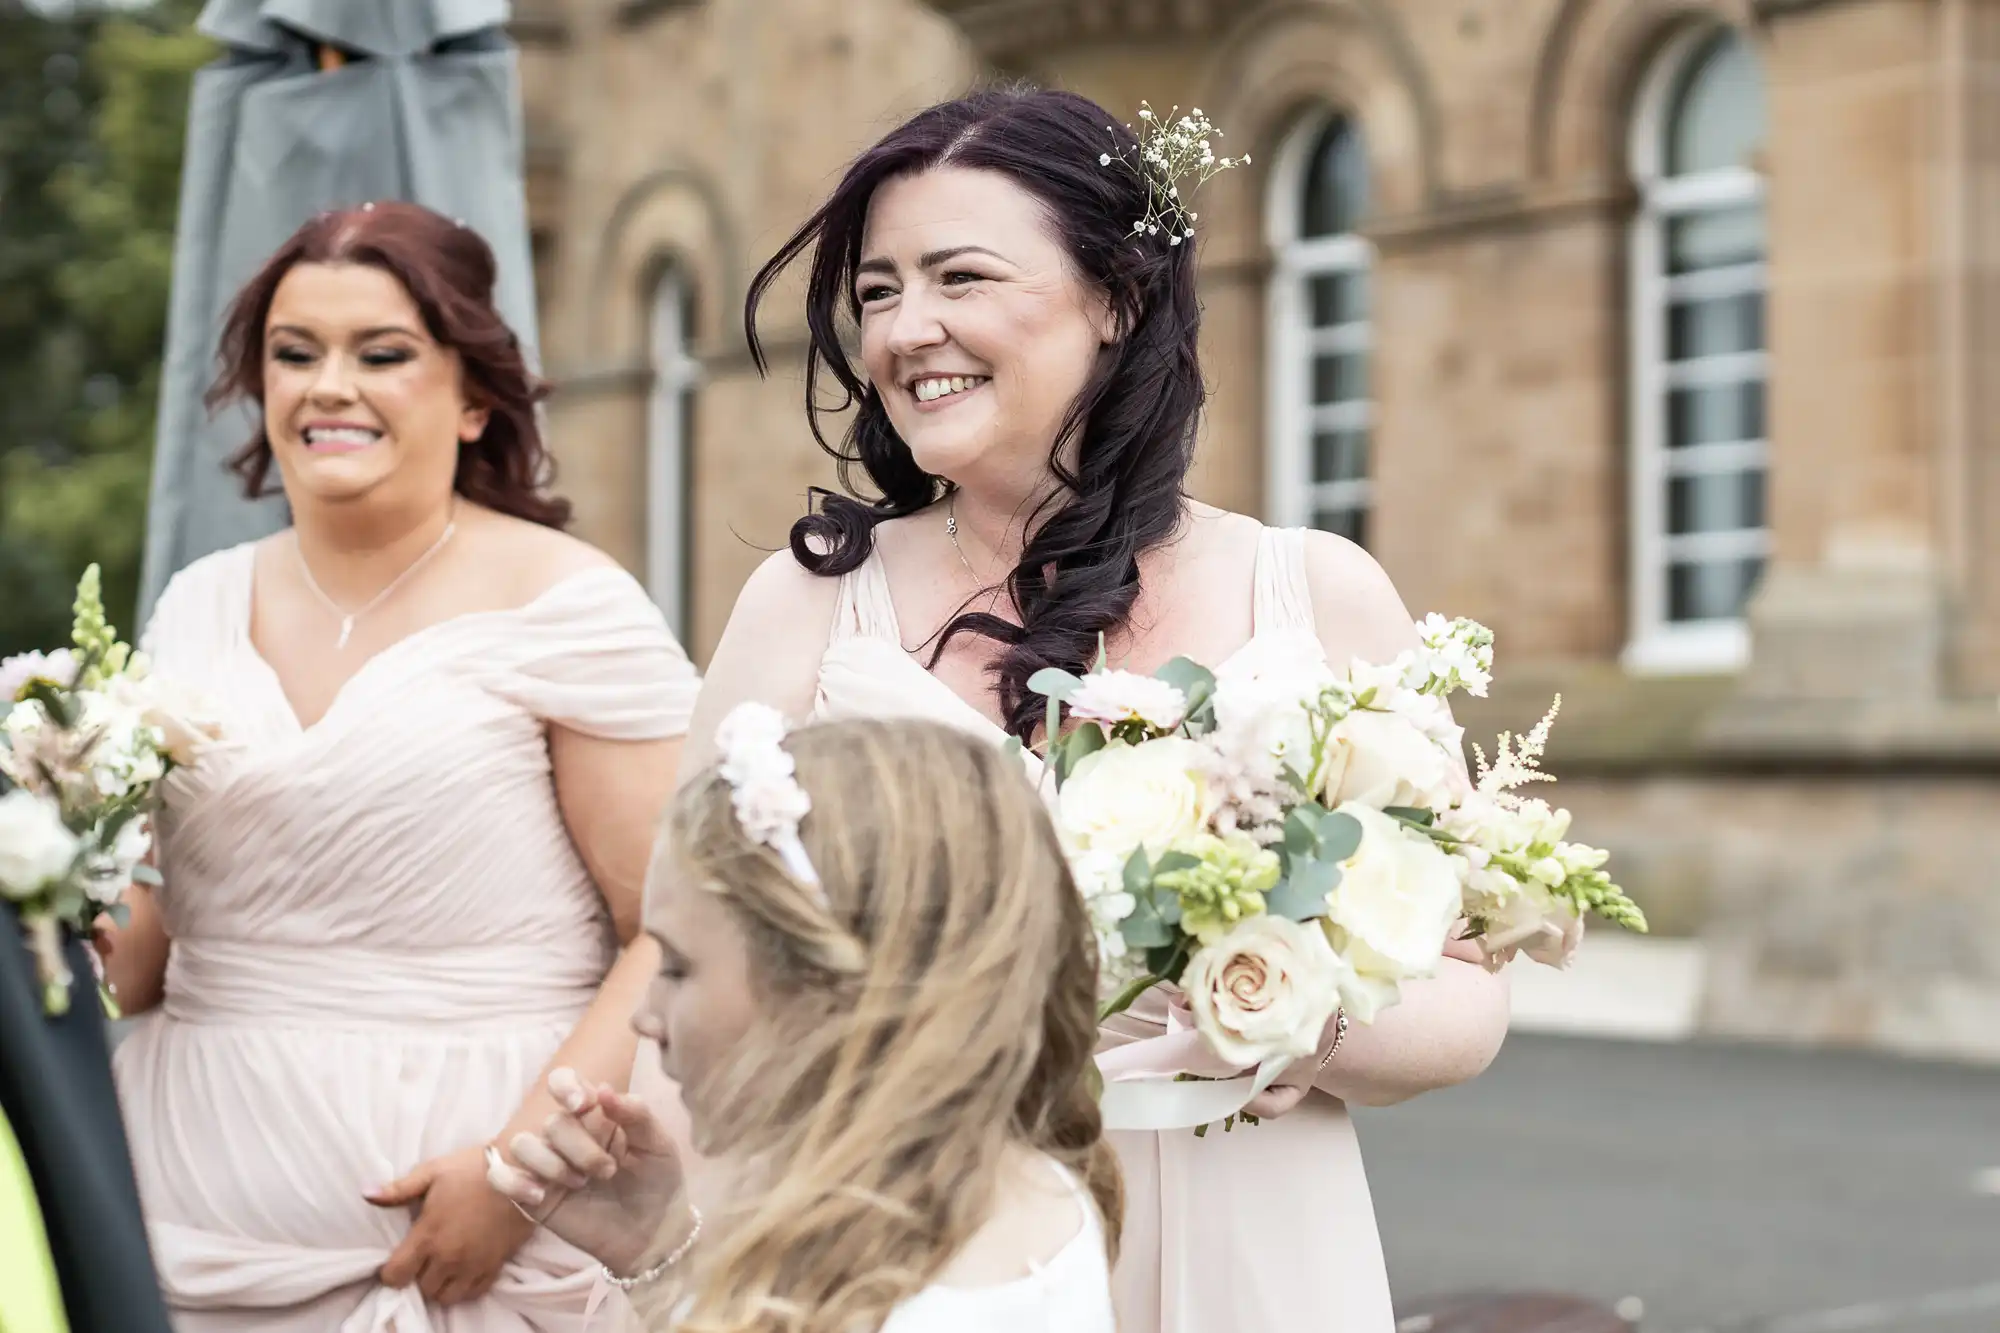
x: 1140, y: 1086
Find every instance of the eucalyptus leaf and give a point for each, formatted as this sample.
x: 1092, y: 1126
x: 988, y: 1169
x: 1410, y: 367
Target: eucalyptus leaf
x: 1302, y: 895
x: 1080, y: 744
x: 1145, y: 929
x: 120, y: 914
x: 1339, y: 836
x: 1055, y: 683
x: 1414, y: 814
x: 1176, y: 861
x: 1195, y: 681
x: 1301, y: 833
x: 1139, y: 874
x: 147, y: 876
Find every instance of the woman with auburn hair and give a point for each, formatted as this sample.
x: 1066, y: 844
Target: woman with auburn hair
x: 407, y: 882
x: 878, y: 998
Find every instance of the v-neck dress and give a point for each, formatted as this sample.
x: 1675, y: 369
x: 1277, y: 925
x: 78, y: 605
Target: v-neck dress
x: 381, y: 933
x: 1269, y: 1226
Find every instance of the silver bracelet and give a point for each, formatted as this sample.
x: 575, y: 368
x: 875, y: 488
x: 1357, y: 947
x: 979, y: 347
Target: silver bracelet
x: 658, y: 1270
x: 1339, y: 1035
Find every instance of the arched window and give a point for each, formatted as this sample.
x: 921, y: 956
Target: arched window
x: 670, y: 447
x: 1699, y: 538
x: 1320, y: 413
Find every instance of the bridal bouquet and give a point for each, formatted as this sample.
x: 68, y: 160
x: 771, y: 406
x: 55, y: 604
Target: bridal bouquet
x: 1284, y: 841
x: 86, y: 736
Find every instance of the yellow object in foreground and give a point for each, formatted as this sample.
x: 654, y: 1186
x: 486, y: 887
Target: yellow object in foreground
x: 30, y: 1300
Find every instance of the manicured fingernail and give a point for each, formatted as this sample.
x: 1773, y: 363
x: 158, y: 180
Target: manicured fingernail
x: 536, y: 1194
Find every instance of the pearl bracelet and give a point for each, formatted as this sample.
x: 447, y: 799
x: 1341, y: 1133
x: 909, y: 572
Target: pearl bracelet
x: 1339, y: 1035
x: 659, y: 1269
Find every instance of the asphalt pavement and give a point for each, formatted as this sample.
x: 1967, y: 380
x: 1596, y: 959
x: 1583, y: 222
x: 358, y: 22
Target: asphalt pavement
x: 1728, y: 1188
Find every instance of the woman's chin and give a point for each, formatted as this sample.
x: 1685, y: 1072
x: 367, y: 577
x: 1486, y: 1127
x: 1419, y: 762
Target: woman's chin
x: 335, y: 478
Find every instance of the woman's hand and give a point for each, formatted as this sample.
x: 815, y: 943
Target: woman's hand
x: 463, y: 1235
x: 603, y: 1174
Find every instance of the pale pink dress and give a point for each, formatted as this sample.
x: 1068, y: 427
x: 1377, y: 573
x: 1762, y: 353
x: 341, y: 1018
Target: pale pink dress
x: 1267, y: 1227
x: 381, y: 932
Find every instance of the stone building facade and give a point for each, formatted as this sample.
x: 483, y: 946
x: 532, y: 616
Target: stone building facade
x: 1654, y: 333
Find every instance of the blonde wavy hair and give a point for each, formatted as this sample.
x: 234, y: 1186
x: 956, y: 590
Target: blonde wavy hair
x: 939, y: 1009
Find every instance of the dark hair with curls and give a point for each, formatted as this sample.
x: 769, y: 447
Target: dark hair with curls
x: 449, y: 272
x: 1123, y: 484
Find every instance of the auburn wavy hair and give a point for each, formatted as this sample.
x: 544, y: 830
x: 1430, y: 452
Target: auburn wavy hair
x: 933, y: 1015
x: 449, y: 272
x: 1122, y: 456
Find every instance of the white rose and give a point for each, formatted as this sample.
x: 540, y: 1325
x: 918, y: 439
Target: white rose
x: 1267, y: 989
x: 1381, y: 759
x: 182, y: 719
x: 1399, y: 895
x: 1112, y: 697
x: 35, y: 847
x: 1128, y: 796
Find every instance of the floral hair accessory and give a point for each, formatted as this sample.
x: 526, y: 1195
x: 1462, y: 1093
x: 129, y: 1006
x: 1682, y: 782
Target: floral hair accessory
x: 764, y: 788
x: 1172, y: 151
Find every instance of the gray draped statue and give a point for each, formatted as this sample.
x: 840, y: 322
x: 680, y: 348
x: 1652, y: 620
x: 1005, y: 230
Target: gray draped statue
x: 319, y: 104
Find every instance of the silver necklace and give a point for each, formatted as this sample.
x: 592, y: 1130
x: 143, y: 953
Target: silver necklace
x: 951, y: 531
x: 347, y: 618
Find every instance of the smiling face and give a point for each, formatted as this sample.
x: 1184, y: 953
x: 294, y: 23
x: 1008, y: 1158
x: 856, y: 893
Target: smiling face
x: 360, y: 403
x: 975, y: 328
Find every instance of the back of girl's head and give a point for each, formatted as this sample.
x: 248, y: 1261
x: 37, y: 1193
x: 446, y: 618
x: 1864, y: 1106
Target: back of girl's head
x: 935, y: 1008
x: 1124, y: 454
x: 449, y: 272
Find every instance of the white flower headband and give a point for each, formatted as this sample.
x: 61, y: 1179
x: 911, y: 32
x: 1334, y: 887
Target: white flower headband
x: 1170, y: 151
x: 764, y: 788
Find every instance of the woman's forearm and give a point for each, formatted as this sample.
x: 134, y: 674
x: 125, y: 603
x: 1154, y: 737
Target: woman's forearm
x: 1446, y: 1029
x: 136, y: 966
x: 602, y: 1046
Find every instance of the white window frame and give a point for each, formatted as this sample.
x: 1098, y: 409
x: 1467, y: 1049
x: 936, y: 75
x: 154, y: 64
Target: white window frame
x: 1657, y: 646
x: 669, y: 451
x: 1291, y: 495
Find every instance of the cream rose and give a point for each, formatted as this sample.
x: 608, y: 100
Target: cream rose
x: 184, y: 721
x: 1535, y: 922
x: 1399, y: 894
x: 1383, y: 759
x: 1265, y: 990
x: 1128, y: 796
x: 35, y: 847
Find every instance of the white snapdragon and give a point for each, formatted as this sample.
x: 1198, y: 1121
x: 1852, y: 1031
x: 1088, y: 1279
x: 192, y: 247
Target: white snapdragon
x: 1457, y: 655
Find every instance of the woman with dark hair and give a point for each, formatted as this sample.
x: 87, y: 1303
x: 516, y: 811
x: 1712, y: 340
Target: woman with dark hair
x: 398, y: 892
x: 1021, y: 421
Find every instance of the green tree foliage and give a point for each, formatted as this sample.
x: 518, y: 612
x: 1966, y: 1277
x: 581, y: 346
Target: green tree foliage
x: 93, y: 110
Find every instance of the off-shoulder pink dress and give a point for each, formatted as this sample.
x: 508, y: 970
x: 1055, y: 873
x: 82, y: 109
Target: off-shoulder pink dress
x: 1264, y: 1228
x: 381, y: 933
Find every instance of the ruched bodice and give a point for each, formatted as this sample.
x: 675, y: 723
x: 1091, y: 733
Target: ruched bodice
x: 1266, y: 1227
x: 381, y: 932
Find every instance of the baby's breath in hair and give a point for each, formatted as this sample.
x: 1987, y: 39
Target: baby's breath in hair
x: 1171, y: 151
